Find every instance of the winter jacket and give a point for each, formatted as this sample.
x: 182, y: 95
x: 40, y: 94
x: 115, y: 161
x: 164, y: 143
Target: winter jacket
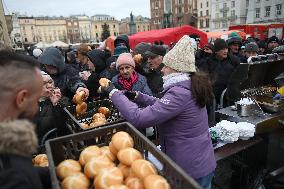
x: 183, y: 125
x: 67, y: 78
x: 102, y: 66
x: 49, y: 117
x: 17, y: 143
x: 122, y: 39
x: 141, y: 85
x: 155, y: 80
x: 219, y: 71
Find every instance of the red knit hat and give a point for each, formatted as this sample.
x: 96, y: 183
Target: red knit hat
x: 125, y: 58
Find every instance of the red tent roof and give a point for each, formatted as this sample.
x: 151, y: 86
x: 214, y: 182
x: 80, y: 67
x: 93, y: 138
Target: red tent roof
x: 167, y: 35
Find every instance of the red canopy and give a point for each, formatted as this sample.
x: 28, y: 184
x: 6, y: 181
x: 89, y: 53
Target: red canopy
x: 167, y: 35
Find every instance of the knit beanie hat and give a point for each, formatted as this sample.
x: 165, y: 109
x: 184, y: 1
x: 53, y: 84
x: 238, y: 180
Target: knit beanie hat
x: 123, y: 59
x: 181, y: 57
x: 220, y: 44
x: 273, y: 39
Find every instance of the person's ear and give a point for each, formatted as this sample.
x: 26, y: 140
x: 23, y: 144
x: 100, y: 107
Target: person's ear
x: 21, y: 98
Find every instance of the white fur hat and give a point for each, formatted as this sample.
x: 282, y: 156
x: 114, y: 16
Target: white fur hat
x: 182, y: 57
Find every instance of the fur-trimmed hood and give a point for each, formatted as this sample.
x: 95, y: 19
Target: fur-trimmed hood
x: 18, y: 138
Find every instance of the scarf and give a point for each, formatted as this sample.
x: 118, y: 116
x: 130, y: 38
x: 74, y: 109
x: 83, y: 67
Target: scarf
x: 128, y: 83
x: 175, y: 78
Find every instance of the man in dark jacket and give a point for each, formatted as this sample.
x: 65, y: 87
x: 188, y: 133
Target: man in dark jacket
x: 154, y: 77
x: 20, y: 85
x: 65, y: 77
x: 220, y: 67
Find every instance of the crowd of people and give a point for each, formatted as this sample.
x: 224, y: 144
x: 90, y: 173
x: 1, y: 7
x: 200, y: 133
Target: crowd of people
x: 151, y: 85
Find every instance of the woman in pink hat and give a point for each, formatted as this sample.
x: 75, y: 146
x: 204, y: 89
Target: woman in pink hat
x: 128, y: 79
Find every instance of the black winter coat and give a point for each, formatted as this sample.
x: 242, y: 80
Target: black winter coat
x: 219, y: 71
x: 49, y: 117
x: 18, y: 172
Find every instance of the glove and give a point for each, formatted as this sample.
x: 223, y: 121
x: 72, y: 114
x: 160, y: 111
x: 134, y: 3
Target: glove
x: 108, y: 89
x: 130, y: 95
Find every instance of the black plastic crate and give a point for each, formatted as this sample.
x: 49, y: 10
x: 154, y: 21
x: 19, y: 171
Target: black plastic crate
x: 70, y: 147
x: 74, y: 123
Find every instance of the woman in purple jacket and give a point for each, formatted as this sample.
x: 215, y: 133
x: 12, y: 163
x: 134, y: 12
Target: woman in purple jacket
x: 180, y: 113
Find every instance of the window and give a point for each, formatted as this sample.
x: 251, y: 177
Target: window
x: 247, y: 3
x: 179, y: 1
x: 157, y: 4
x: 257, y: 1
x: 233, y: 4
x: 200, y: 13
x: 224, y: 5
x: 201, y: 23
x: 217, y: 7
x: 267, y: 11
x: 113, y: 26
x: 225, y: 14
x: 207, y: 23
x: 200, y: 5
x: 207, y: 12
x: 232, y: 13
x: 114, y: 33
x: 217, y: 15
x: 180, y: 10
x: 278, y: 9
x: 97, y: 35
x: 207, y: 4
x: 224, y: 24
x: 96, y: 27
x: 257, y: 12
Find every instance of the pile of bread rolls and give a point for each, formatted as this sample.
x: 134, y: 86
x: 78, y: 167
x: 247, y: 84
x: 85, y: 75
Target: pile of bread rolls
x: 81, y: 106
x: 98, y: 119
x: 40, y: 160
x: 117, y: 166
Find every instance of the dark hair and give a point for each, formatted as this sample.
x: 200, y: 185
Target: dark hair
x: 202, y: 89
x: 16, y: 71
x: 10, y: 58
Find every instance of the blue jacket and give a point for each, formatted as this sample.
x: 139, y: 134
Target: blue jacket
x: 183, y: 125
x: 140, y: 86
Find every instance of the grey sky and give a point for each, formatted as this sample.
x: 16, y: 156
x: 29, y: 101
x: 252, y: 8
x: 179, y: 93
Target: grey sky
x: 118, y: 8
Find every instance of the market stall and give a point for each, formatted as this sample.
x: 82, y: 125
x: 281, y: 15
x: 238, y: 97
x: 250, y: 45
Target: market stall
x: 250, y: 92
x: 167, y: 35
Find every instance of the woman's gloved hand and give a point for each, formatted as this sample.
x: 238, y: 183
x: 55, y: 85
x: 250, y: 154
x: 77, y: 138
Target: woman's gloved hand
x: 131, y: 95
x: 277, y: 96
x: 109, y: 88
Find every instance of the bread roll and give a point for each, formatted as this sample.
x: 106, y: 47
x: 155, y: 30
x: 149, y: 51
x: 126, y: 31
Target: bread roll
x: 156, y: 182
x: 76, y: 181
x: 93, y: 167
x: 98, y: 116
x: 112, y: 149
x: 105, y: 151
x: 81, y: 108
x: 104, y: 110
x: 97, y: 124
x: 142, y: 168
x: 122, y: 140
x: 108, y: 177
x: 133, y: 182
x: 126, y: 170
x: 128, y: 155
x: 104, y: 82
x: 84, y: 125
x: 79, y: 97
x: 40, y: 160
x: 88, y: 153
x: 119, y: 186
x: 67, y: 168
